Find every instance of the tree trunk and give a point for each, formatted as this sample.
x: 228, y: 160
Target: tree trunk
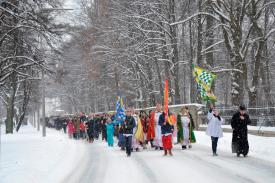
x: 159, y: 77
x: 258, y: 56
x: 266, y: 71
x: 151, y: 86
x: 175, y: 56
x: 24, y: 105
x: 192, y: 82
x: 199, y: 36
x: 10, y: 107
x: 209, y: 37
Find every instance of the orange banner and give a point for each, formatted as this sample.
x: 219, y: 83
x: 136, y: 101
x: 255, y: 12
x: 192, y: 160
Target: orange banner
x: 166, y: 96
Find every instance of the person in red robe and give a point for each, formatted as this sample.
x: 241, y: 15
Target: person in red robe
x: 151, y: 128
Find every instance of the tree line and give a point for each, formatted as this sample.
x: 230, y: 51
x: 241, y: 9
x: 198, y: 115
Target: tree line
x: 28, y: 32
x: 130, y: 48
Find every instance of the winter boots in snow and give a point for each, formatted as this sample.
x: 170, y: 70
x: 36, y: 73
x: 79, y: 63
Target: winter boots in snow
x: 170, y: 152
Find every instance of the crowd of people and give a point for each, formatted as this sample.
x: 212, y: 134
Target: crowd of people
x: 139, y: 130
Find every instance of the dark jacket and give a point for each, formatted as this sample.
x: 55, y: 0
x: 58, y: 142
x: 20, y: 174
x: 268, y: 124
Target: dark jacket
x: 191, y: 120
x: 128, y: 125
x: 165, y: 128
x: 239, y: 138
x: 238, y: 124
x: 90, y: 128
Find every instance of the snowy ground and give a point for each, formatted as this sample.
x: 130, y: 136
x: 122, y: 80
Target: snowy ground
x: 260, y: 147
x: 27, y: 157
x: 193, y: 166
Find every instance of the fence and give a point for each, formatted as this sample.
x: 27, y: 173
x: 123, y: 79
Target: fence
x: 260, y: 116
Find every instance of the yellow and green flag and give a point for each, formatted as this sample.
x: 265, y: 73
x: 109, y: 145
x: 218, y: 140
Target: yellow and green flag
x: 204, y: 80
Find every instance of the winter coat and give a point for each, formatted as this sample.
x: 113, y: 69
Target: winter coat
x: 82, y: 126
x: 166, y: 128
x: 71, y: 128
x: 192, y: 124
x: 104, y: 129
x: 129, y: 125
x: 90, y: 128
x: 77, y: 124
x: 95, y: 127
x: 110, y: 133
x: 239, y: 138
x: 214, y: 128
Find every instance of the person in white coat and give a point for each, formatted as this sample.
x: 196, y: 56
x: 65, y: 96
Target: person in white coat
x: 158, y: 136
x: 214, y: 129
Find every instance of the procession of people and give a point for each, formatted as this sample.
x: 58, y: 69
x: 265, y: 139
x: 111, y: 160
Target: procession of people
x: 158, y: 130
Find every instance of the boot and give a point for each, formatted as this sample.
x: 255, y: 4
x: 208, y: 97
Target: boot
x: 165, y: 153
x: 170, y: 152
x: 151, y: 142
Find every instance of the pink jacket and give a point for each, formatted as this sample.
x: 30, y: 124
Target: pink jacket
x: 71, y: 128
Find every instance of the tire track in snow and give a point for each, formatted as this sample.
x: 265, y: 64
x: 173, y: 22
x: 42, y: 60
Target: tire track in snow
x: 104, y: 165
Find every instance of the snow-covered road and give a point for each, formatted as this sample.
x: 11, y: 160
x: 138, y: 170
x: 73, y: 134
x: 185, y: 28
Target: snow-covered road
x: 105, y: 165
x: 26, y: 157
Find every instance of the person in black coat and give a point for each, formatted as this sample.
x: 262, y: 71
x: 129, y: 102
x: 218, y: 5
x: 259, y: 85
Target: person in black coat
x: 239, y: 123
x: 96, y: 127
x: 64, y: 125
x: 90, y: 130
x: 103, y: 128
x: 166, y: 131
x: 129, y: 124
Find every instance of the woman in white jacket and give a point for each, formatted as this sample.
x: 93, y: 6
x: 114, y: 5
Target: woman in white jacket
x: 214, y: 129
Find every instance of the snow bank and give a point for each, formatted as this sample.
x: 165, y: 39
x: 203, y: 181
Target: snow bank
x: 260, y: 147
x: 29, y: 157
